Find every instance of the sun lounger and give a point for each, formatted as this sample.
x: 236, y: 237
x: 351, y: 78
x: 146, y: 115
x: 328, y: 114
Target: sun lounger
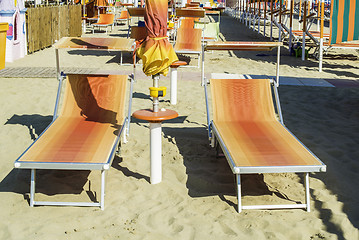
x: 124, y: 17
x: 135, y: 12
x: 139, y: 34
x: 188, y: 41
x: 210, y: 30
x: 253, y: 140
x: 105, y: 20
x: 85, y: 135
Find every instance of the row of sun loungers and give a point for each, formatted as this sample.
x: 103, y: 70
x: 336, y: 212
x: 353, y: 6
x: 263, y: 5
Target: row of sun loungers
x: 341, y: 33
x: 246, y: 124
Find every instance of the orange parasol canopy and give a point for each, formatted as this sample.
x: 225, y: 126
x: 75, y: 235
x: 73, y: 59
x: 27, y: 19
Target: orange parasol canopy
x: 156, y: 52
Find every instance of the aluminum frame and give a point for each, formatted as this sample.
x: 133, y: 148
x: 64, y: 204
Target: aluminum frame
x: 33, y: 203
x: 105, y: 50
x: 241, y: 207
x: 255, y: 44
x: 215, y: 136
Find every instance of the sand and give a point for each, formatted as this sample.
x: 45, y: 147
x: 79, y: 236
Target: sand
x: 196, y: 199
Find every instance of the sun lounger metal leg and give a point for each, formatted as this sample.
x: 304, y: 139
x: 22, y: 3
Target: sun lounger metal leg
x: 102, y: 201
x: 202, y: 69
x: 321, y: 55
x: 277, y: 70
x: 279, y: 109
x: 303, y: 46
x: 58, y: 64
x: 307, y: 193
x: 210, y: 135
x: 239, y: 194
x: 264, y: 27
x: 121, y: 59
x: 32, y: 187
x: 61, y: 78
x: 100, y: 204
x: 132, y: 79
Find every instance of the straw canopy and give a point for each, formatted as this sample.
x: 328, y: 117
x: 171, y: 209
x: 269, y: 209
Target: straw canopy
x: 156, y: 52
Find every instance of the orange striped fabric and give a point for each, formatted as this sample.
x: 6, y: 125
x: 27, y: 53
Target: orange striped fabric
x: 243, y: 113
x: 106, y: 19
x: 315, y: 34
x: 187, y: 23
x: 188, y: 39
x: 90, y: 120
x: 344, y: 21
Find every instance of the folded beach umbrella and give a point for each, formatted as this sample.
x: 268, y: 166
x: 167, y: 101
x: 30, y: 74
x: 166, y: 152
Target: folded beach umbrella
x: 156, y: 52
x: 157, y: 55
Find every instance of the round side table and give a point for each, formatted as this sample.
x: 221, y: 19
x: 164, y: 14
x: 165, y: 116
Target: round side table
x: 155, y: 119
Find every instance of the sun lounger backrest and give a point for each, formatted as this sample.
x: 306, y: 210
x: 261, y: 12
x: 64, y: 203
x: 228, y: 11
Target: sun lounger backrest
x: 138, y: 33
x: 211, y: 30
x: 106, y: 19
x: 124, y: 14
x: 242, y: 100
x: 95, y: 98
x: 187, y: 23
x: 189, y: 39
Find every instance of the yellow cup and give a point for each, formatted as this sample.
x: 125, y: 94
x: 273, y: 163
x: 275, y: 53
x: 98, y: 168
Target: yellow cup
x: 158, y: 92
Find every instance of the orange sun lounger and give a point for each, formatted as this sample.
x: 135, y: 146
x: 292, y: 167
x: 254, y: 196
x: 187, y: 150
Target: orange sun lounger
x: 189, y: 41
x: 253, y: 140
x: 86, y: 133
x: 105, y: 20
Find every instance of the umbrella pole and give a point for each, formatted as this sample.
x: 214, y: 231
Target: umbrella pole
x: 156, y: 79
x: 155, y: 140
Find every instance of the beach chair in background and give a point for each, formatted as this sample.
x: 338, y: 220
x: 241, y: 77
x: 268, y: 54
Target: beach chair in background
x: 124, y: 17
x: 105, y: 20
x: 344, y: 28
x: 138, y: 34
x: 187, y: 23
x: 85, y: 135
x: 187, y: 16
x: 210, y: 30
x: 188, y: 41
x: 135, y: 12
x: 252, y: 134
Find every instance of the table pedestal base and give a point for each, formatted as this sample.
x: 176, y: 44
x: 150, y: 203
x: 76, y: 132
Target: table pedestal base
x: 155, y: 119
x: 156, y: 152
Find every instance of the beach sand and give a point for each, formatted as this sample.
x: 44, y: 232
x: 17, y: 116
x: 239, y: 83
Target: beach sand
x: 196, y: 198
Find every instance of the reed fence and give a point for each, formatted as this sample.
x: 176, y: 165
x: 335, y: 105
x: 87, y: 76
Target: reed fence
x: 45, y: 25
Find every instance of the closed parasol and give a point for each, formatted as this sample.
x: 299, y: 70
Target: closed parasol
x: 156, y: 52
x: 157, y: 55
